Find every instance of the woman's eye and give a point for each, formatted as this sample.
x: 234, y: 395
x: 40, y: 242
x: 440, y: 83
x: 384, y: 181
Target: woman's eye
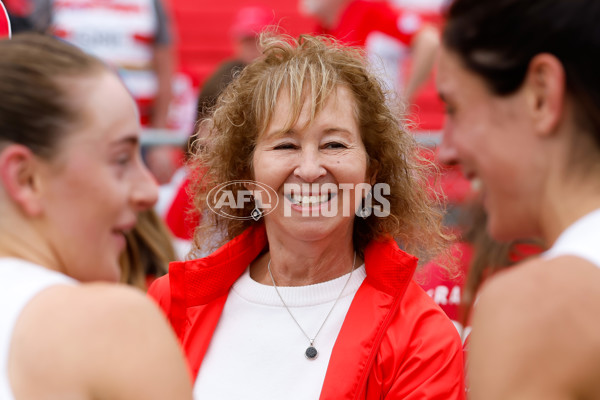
x: 285, y: 146
x: 123, y: 159
x: 449, y: 110
x: 335, y: 145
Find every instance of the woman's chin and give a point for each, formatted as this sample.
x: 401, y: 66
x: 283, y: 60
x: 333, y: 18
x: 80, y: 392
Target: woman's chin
x: 501, y: 232
x: 314, y: 229
x: 110, y: 272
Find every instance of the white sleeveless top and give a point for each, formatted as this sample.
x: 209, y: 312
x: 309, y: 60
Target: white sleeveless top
x: 20, y: 281
x: 581, y: 239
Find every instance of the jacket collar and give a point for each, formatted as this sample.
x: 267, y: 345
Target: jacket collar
x: 388, y: 268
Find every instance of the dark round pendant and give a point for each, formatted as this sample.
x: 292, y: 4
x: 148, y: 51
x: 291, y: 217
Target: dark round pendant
x: 311, y: 353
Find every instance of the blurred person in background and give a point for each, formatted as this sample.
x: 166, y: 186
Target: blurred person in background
x: 248, y: 23
x: 175, y: 204
x: 71, y: 184
x: 135, y: 38
x: 523, y: 98
x: 388, y: 33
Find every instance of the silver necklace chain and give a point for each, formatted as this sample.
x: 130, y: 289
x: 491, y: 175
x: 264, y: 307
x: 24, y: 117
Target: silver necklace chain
x: 311, y: 352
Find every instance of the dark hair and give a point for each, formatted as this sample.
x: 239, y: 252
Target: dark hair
x: 497, y: 39
x: 35, y: 107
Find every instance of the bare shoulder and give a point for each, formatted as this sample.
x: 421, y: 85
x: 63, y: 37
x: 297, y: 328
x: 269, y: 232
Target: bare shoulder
x: 94, y: 310
x: 537, y: 325
x: 107, y: 304
x: 546, y: 288
x: 109, y: 341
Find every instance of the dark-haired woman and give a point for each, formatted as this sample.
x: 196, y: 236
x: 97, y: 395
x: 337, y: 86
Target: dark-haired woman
x: 71, y: 184
x: 522, y: 89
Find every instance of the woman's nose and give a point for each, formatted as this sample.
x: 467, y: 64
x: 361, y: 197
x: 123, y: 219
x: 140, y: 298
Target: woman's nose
x: 447, y: 153
x: 310, y: 167
x: 145, y: 189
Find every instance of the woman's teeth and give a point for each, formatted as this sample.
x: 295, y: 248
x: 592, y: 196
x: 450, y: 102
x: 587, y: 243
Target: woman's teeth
x: 307, y: 201
x: 476, y: 185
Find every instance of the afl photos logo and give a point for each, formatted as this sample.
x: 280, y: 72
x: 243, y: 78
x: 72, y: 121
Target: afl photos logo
x: 236, y: 199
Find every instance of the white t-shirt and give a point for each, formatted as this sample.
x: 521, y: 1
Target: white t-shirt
x: 257, y: 351
x: 20, y: 281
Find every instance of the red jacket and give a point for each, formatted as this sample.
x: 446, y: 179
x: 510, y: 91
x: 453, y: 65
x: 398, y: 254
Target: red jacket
x: 395, y: 343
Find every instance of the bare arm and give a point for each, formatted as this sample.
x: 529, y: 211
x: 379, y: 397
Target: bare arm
x: 99, y: 342
x: 424, y: 49
x: 148, y: 363
x: 163, y: 66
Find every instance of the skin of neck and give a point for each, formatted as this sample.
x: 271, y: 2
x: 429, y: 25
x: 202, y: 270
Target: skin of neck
x: 301, y: 263
x: 572, y: 185
x: 568, y: 200
x: 21, y: 238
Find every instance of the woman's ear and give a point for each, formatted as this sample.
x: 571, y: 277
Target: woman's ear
x: 18, y: 176
x: 545, y: 84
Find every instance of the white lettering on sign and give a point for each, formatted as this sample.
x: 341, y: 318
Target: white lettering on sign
x: 442, y: 295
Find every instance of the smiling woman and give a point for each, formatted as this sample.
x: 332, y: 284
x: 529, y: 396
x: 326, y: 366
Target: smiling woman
x: 71, y: 184
x: 308, y: 300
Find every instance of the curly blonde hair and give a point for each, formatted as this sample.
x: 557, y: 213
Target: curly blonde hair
x: 310, y: 68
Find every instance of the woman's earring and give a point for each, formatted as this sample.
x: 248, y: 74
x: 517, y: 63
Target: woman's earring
x: 256, y: 213
x: 365, y: 212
